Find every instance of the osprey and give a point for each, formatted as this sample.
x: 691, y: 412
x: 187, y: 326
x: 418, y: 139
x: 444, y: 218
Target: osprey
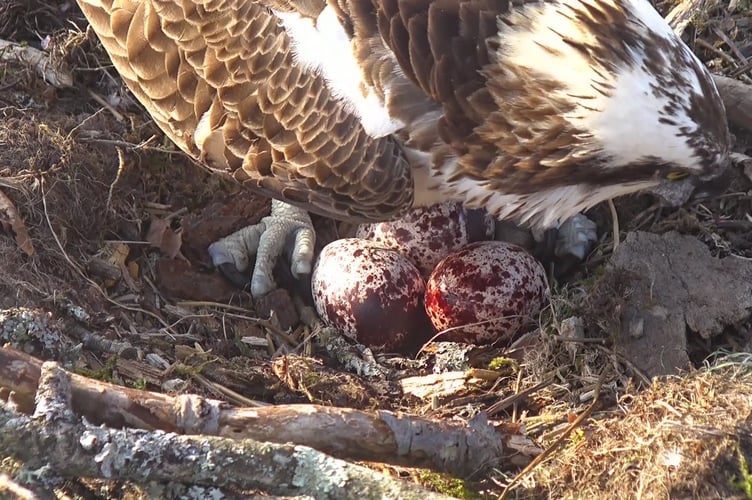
x: 359, y: 109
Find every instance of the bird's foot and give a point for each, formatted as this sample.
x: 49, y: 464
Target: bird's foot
x: 576, y: 237
x: 287, y: 229
x: 567, y: 245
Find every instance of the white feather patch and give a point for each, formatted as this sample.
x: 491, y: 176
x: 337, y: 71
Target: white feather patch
x: 545, y: 208
x: 626, y: 124
x: 323, y: 46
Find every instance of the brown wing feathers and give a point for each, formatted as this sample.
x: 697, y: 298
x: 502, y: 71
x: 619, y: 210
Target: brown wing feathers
x: 441, y: 46
x: 220, y: 78
x: 446, y: 47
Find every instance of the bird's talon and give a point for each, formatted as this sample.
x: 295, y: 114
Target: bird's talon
x: 576, y: 237
x: 287, y: 229
x: 237, y: 278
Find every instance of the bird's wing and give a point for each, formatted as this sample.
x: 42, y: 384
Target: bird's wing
x: 222, y: 81
x: 442, y: 46
x: 449, y: 51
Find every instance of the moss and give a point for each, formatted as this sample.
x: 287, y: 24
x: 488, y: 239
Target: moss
x: 744, y: 482
x: 446, y: 484
x: 104, y: 374
x: 502, y: 364
x: 140, y: 384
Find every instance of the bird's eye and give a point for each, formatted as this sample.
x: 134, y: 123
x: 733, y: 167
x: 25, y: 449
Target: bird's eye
x: 675, y: 176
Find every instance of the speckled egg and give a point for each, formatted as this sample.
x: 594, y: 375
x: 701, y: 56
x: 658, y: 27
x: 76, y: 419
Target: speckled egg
x: 428, y: 234
x: 370, y: 293
x: 496, y: 284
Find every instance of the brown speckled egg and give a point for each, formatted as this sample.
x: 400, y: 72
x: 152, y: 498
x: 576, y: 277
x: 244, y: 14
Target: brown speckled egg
x: 428, y: 234
x: 370, y: 293
x: 492, y: 282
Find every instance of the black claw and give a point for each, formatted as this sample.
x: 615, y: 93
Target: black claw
x: 284, y: 278
x: 238, y: 279
x: 545, y: 249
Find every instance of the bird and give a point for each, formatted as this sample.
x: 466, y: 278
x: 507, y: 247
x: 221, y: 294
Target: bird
x: 359, y: 110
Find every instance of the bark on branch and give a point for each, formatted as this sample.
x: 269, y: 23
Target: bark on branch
x: 55, y: 74
x: 55, y: 437
x: 345, y: 433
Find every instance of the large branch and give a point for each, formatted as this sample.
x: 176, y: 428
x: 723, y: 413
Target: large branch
x: 736, y: 96
x: 55, y: 438
x: 345, y: 433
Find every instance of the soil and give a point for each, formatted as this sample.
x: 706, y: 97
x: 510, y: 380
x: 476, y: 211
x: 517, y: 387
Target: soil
x: 104, y: 226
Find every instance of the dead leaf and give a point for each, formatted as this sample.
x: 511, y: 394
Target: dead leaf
x: 12, y: 217
x: 115, y: 253
x: 160, y: 235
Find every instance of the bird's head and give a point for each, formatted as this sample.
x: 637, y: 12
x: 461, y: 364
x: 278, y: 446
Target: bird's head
x: 596, y: 99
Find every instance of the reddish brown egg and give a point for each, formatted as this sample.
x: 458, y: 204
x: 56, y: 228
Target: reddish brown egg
x: 497, y: 285
x: 428, y: 234
x: 370, y: 293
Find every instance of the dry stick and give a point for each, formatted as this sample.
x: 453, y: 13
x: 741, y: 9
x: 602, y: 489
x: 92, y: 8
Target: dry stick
x: 10, y: 487
x: 682, y: 15
x: 500, y: 406
x: 614, y: 224
x: 342, y: 432
x: 730, y: 43
x: 55, y: 437
x: 56, y: 75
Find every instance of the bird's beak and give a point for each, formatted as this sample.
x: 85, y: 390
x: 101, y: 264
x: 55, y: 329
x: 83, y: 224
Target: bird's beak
x: 695, y: 188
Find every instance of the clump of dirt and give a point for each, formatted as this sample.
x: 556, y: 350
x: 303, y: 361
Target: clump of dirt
x: 672, y: 290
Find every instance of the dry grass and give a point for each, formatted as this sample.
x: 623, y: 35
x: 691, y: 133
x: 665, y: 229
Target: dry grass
x: 683, y: 437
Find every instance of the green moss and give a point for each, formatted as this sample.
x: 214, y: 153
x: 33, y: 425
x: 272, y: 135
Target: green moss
x: 502, y: 364
x: 311, y: 378
x: 104, y: 374
x: 446, y: 484
x: 139, y: 384
x: 744, y: 482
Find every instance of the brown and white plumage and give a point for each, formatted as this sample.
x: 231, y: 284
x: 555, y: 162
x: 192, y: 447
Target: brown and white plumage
x: 357, y: 109
x: 220, y: 79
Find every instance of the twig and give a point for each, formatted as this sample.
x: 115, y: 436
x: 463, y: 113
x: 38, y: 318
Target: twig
x: 614, y: 223
x: 9, y: 486
x: 712, y: 48
x: 55, y: 75
x: 120, y: 170
x: 683, y: 14
x: 101, y: 100
x: 514, y: 398
x: 738, y: 53
x: 555, y: 445
x: 264, y: 323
